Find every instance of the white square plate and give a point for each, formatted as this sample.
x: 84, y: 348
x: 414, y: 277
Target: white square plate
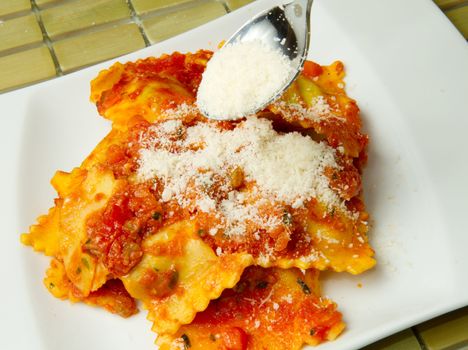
x: 408, y: 69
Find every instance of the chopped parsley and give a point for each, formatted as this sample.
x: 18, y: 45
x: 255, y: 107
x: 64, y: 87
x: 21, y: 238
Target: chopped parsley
x: 174, y: 279
x: 85, y: 262
x: 186, y: 340
x: 287, y: 218
x: 304, y: 286
x: 180, y: 132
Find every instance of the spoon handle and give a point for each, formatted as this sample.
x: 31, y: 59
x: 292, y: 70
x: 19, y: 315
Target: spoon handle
x: 298, y: 14
x: 305, y: 4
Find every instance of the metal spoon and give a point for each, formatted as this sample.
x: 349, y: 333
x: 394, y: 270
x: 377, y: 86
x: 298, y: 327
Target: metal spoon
x: 285, y: 28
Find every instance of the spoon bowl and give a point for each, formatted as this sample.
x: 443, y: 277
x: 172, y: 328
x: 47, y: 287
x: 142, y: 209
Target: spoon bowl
x: 284, y: 28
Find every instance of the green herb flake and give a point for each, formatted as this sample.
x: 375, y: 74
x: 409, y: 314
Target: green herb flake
x: 180, y: 132
x: 201, y: 232
x: 287, y: 218
x: 129, y: 226
x: 240, y: 287
x: 174, y: 279
x: 155, y: 269
x: 78, y: 270
x: 186, y: 340
x: 212, y: 337
x: 304, y: 286
x: 156, y: 215
x: 85, y: 262
x: 312, y: 332
x: 51, y: 285
x: 262, y: 284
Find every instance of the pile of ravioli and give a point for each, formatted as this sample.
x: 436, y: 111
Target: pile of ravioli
x: 116, y: 237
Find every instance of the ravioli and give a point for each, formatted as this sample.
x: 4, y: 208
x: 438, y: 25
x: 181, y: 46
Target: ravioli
x: 171, y: 209
x: 179, y: 275
x: 271, y: 309
x: 112, y: 296
x: 62, y: 233
x: 318, y: 237
x: 148, y: 86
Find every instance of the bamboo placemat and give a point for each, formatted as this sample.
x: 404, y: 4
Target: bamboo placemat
x: 42, y: 39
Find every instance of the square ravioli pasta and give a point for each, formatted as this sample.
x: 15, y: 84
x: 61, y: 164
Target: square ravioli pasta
x: 269, y: 308
x: 172, y: 209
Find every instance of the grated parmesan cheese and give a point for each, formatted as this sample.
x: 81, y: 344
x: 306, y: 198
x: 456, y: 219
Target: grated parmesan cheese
x: 284, y: 168
x: 318, y: 110
x: 178, y: 343
x: 240, y: 78
x: 180, y: 111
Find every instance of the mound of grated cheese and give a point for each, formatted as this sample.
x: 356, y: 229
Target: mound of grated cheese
x: 241, y: 78
x: 288, y: 168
